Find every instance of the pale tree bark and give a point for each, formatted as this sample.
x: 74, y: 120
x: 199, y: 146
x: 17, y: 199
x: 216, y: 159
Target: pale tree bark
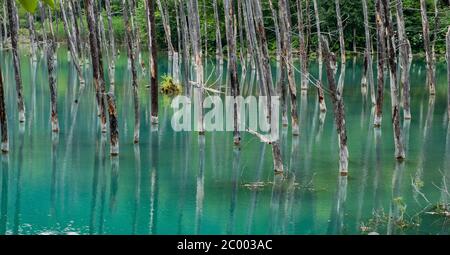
x: 166, y: 25
x: 75, y: 28
x: 3, y: 117
x: 32, y: 36
x: 241, y: 36
x: 428, y: 50
x: 277, y: 30
x: 71, y: 41
x: 255, y: 13
x: 44, y: 29
x: 381, y: 54
x: 339, y: 109
x: 232, y: 64
x: 321, y: 98
x: 303, y: 47
x: 151, y: 31
x: 132, y: 57
x: 448, y: 71
x: 194, y: 23
x: 111, y: 36
x: 405, y: 61
x: 14, y: 26
x: 219, y: 50
x: 341, y: 32
x: 288, y: 60
x: 395, y: 105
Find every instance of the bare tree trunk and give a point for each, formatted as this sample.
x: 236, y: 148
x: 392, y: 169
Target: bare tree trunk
x: 405, y: 62
x: 71, y: 42
x: 398, y: 140
x: 277, y: 31
x: 113, y: 124
x: 322, y: 104
x: 266, y: 76
x: 428, y: 50
x: 166, y: 25
x: 194, y: 24
x: 219, y: 50
x: 112, y: 46
x: 185, y: 46
x: 448, y: 71
x: 32, y: 36
x: 132, y: 57
x: 14, y: 26
x: 153, y: 59
x: 3, y: 116
x: 288, y: 60
x: 232, y: 63
x: 341, y: 32
x: 51, y: 46
x: 96, y: 62
x: 339, y: 109
x: 381, y: 53
x: 303, y: 48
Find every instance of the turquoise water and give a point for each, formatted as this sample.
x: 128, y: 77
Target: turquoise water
x: 180, y: 183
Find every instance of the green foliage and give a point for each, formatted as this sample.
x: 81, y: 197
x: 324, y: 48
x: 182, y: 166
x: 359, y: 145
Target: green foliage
x: 30, y: 5
x: 169, y: 87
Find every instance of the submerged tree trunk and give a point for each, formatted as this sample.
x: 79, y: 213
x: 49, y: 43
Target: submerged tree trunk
x: 194, y: 24
x: 232, y: 63
x: 448, y: 71
x: 405, y: 61
x: 32, y: 36
x: 14, y: 26
x: 132, y: 57
x: 288, y: 60
x: 3, y: 116
x: 368, y: 55
x: 96, y: 62
x: 398, y: 141
x: 51, y: 46
x: 113, y: 124
x: 339, y: 109
x: 266, y: 75
x: 322, y: 104
x: 428, y: 50
x: 152, y: 60
x: 381, y: 53
x: 303, y: 47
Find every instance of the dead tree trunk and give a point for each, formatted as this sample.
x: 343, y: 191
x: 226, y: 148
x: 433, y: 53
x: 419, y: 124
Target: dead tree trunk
x: 166, y: 25
x: 381, y: 53
x: 32, y: 36
x: 277, y: 30
x: 339, y: 109
x: 428, y: 51
x: 255, y: 13
x: 448, y: 71
x: 14, y: 26
x: 71, y: 42
x: 51, y: 46
x: 112, y: 44
x: 368, y: 54
x: 96, y: 62
x: 405, y: 63
x: 321, y: 97
x: 185, y: 46
x: 113, y: 124
x: 286, y: 48
x: 398, y: 141
x: 132, y: 57
x: 194, y: 24
x: 341, y: 32
x: 153, y: 59
x: 3, y: 116
x: 232, y: 63
x: 219, y: 50
x: 303, y: 48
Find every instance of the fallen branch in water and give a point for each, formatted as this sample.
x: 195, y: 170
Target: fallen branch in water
x: 261, y: 137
